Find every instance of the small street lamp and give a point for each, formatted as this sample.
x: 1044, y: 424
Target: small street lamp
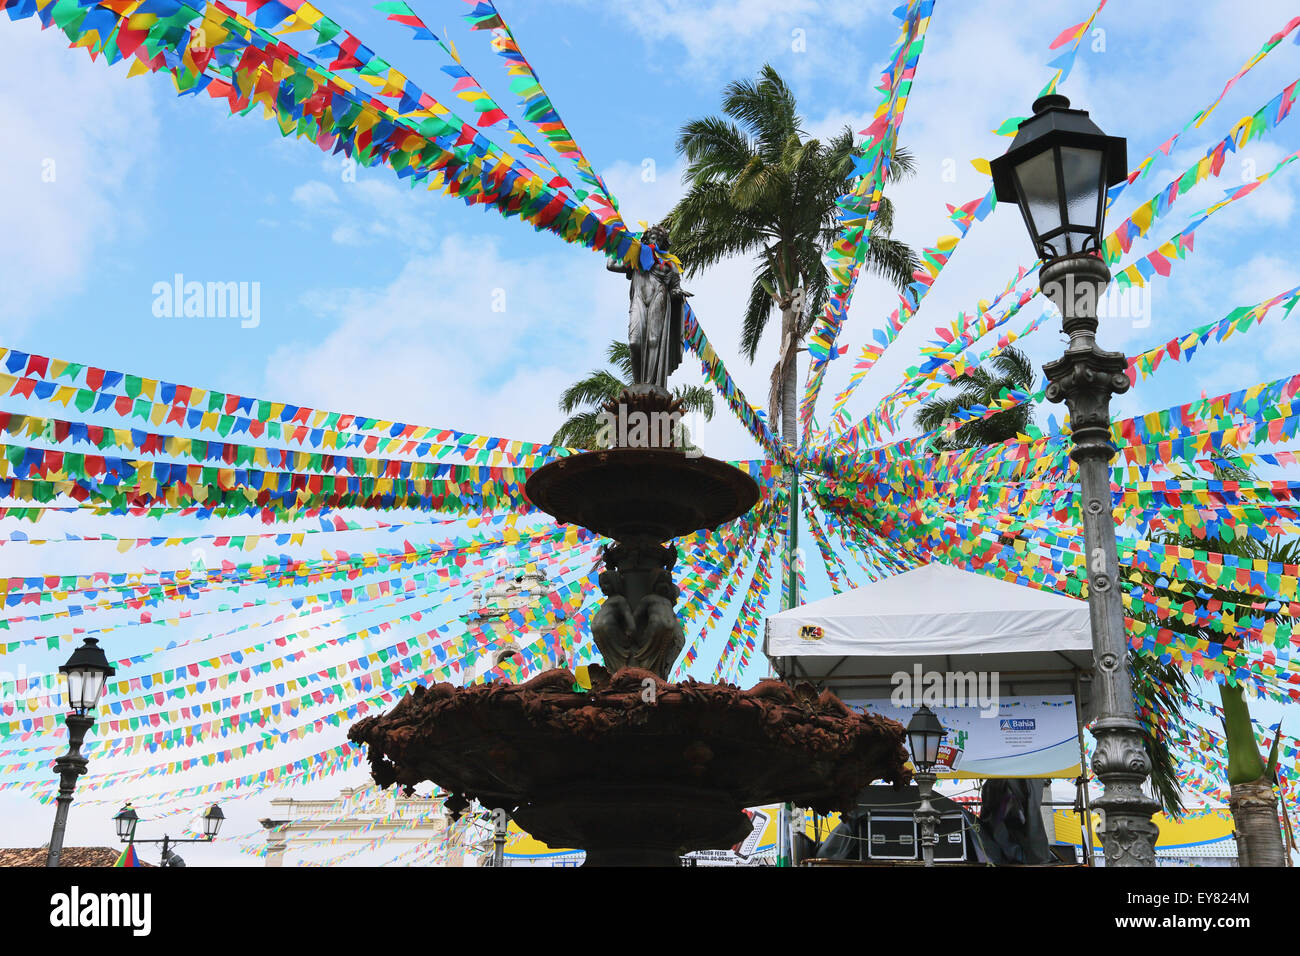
x: 127, y: 819
x: 1057, y: 171
x: 924, y: 735
x: 85, y: 672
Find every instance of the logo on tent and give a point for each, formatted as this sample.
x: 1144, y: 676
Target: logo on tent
x: 1017, y: 723
x: 811, y: 632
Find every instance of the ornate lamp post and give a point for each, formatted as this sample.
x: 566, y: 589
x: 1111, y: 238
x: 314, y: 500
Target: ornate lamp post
x: 924, y: 734
x: 127, y: 819
x: 1057, y: 171
x: 86, y: 671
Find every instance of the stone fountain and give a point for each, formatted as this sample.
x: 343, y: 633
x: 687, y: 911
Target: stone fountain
x: 638, y: 770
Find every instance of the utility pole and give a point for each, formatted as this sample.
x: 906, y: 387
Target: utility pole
x: 784, y: 828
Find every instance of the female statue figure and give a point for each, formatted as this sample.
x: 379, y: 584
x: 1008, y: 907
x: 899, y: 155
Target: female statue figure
x: 654, y: 328
x: 658, y: 628
x: 614, y: 626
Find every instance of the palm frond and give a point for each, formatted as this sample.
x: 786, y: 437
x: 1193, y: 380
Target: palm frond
x: 696, y: 398
x: 766, y: 108
x: 978, y: 386
x: 934, y: 414
x: 706, y: 227
x: 1162, y: 688
x: 1015, y: 366
x: 891, y: 260
x: 600, y: 386
x: 758, y: 310
x: 758, y: 184
x: 620, y: 356
x: 713, y: 147
x: 579, y: 431
x: 902, y: 165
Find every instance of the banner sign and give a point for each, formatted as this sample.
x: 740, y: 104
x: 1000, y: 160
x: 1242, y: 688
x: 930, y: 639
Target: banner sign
x: 1027, y: 737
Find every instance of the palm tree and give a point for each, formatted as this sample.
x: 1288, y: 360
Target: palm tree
x: 1011, y: 369
x: 583, y: 400
x: 757, y: 184
x: 1251, y: 777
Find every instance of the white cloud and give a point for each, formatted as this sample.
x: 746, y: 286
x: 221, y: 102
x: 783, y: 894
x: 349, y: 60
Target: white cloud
x: 394, y: 211
x: 314, y: 195
x: 722, y: 37
x: 1264, y: 275
x: 346, y: 236
x: 368, y: 208
x: 77, y: 148
x: 463, y: 338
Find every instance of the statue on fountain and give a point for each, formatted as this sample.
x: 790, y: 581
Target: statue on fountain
x: 654, y: 327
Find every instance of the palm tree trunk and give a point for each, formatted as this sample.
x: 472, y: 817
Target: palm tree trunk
x: 789, y: 377
x: 1251, y: 797
x: 1254, y: 816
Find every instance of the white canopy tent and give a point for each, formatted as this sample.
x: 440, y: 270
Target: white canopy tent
x: 944, y: 619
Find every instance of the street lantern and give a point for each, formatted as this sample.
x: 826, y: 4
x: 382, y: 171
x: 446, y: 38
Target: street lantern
x: 1057, y: 171
x: 125, y: 821
x: 86, y: 671
x: 924, y: 735
x: 212, y: 821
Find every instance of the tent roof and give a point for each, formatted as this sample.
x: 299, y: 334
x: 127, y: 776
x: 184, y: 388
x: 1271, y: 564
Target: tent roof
x: 943, y: 618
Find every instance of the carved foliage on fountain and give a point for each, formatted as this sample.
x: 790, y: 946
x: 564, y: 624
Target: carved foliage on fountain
x: 637, y: 625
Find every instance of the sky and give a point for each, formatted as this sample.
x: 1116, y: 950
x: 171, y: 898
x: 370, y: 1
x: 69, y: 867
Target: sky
x: 407, y: 305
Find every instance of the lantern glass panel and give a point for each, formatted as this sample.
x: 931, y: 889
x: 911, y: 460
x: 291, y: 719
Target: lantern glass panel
x: 212, y: 821
x: 92, y: 687
x: 75, y: 689
x: 125, y: 821
x: 932, y: 742
x: 1036, y: 177
x: 1081, y: 170
x: 924, y: 746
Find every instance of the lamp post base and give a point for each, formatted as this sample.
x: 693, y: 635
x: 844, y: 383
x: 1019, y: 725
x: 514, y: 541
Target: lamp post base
x: 1121, y: 763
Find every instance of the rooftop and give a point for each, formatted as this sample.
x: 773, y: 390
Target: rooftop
x: 71, y: 856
